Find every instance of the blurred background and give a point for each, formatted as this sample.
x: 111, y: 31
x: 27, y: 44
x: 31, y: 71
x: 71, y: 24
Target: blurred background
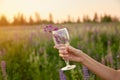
x: 26, y: 51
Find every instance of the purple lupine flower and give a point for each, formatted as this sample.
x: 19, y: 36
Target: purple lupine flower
x: 85, y: 73
x: 62, y: 75
x: 55, y: 29
x: 57, y: 39
x: 50, y: 28
x: 3, y: 68
x: 32, y: 39
x: 60, y: 39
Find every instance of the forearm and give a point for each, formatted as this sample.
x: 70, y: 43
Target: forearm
x: 101, y: 70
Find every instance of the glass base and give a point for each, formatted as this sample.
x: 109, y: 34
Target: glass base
x: 68, y: 67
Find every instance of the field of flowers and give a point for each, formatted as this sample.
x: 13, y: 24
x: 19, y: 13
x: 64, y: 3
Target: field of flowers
x: 27, y: 53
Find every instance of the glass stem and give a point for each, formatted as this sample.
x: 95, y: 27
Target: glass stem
x: 67, y: 62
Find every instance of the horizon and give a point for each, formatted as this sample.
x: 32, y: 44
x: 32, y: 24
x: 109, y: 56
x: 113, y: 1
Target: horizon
x: 60, y: 9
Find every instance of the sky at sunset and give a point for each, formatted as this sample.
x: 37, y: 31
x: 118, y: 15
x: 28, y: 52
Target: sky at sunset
x: 60, y: 9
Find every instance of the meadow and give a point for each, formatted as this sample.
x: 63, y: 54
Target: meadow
x: 27, y: 53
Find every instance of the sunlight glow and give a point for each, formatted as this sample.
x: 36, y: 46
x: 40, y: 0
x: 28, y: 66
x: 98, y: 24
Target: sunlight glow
x: 11, y: 8
x: 60, y: 9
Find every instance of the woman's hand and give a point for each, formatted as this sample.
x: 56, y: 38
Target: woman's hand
x: 67, y: 52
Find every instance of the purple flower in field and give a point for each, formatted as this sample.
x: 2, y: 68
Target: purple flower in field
x: 60, y: 39
x: 50, y: 28
x: 3, y: 68
x: 32, y: 39
x: 55, y: 29
x: 85, y: 73
x: 62, y: 75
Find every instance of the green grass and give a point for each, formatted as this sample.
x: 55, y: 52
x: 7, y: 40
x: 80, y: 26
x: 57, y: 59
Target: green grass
x: 29, y: 53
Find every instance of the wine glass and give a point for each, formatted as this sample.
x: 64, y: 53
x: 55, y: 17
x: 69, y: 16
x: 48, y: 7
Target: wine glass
x: 61, y: 36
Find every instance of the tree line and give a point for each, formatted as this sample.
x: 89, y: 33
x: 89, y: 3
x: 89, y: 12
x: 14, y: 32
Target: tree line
x: 20, y: 19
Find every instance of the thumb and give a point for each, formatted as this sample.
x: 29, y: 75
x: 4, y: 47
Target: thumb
x: 71, y: 49
x: 74, y: 51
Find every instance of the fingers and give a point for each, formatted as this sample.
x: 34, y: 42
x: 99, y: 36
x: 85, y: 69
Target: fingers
x: 74, y: 51
x: 63, y: 51
x: 66, y: 56
x: 68, y: 52
x: 71, y: 49
x: 60, y: 46
x: 66, y: 48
